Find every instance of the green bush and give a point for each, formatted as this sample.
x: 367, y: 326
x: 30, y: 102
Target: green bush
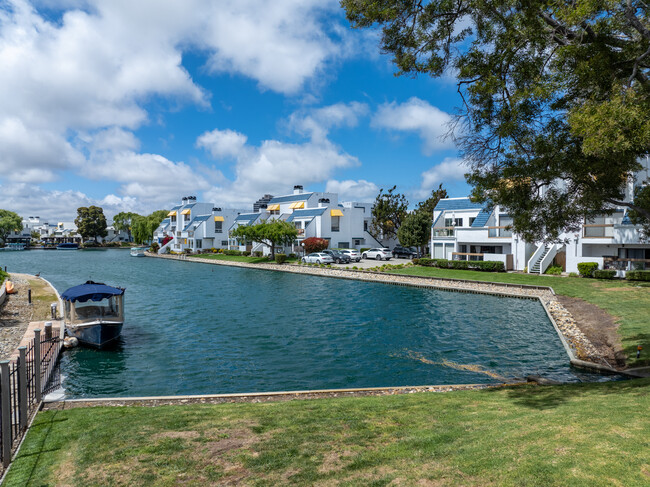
x: 554, y: 270
x: 605, y: 274
x: 232, y: 252
x: 154, y: 247
x: 637, y: 275
x: 280, y: 258
x: 587, y: 269
x: 478, y: 265
x: 258, y: 253
x: 292, y: 255
x: 574, y: 274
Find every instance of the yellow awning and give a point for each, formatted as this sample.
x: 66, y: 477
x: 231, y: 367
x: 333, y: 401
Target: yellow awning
x: 297, y: 205
x: 171, y: 213
x: 186, y: 211
x: 336, y: 213
x: 275, y: 207
x: 218, y: 219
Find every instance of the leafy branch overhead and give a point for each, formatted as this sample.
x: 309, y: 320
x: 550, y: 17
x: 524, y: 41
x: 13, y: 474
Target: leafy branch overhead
x: 555, y: 96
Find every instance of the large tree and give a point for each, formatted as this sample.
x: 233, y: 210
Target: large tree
x: 91, y: 222
x: 270, y: 233
x: 430, y: 203
x: 415, y: 230
x: 144, y: 226
x: 123, y: 221
x: 555, y: 96
x: 9, y: 222
x: 388, y: 212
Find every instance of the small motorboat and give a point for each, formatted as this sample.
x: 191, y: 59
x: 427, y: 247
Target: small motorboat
x: 67, y: 246
x: 138, y: 251
x: 94, y: 313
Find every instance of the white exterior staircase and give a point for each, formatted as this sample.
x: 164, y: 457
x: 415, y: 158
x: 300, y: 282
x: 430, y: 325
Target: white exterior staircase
x: 542, y: 258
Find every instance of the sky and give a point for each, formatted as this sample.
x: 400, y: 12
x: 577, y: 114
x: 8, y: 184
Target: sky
x: 133, y: 105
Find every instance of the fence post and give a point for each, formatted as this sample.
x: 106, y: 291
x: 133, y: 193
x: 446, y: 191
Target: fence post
x: 22, y: 386
x: 37, y: 365
x: 6, y: 412
x: 48, y: 330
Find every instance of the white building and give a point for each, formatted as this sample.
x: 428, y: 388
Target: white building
x: 314, y: 214
x: 195, y: 226
x: 463, y: 230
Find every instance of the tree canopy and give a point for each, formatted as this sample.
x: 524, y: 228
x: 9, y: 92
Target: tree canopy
x: 123, y: 221
x: 555, y: 96
x: 91, y: 222
x: 270, y: 233
x: 388, y: 212
x: 416, y: 230
x: 144, y: 226
x: 9, y: 222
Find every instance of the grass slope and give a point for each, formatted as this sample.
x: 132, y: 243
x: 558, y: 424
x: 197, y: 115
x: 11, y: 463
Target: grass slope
x: 573, y: 435
x: 627, y: 301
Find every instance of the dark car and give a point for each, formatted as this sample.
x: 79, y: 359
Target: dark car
x: 339, y: 257
x: 406, y: 252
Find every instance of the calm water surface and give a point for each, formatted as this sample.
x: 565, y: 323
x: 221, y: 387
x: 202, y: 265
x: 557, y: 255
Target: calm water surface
x: 200, y: 329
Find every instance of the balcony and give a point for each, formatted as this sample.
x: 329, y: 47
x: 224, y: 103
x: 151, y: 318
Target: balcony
x: 443, y: 232
x: 466, y: 256
x: 500, y: 232
x: 626, y: 264
x: 598, y: 230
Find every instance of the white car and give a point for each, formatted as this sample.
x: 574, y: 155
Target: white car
x: 379, y: 254
x: 318, y: 258
x: 353, y: 253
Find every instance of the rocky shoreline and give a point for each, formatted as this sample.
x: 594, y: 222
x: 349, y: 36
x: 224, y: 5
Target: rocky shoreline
x: 15, y: 315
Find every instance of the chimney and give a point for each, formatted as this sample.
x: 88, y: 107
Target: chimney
x: 263, y: 206
x: 184, y: 200
x: 297, y: 189
x: 323, y: 202
x: 216, y: 209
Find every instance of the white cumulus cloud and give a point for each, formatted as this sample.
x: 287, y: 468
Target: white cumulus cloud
x: 350, y: 190
x: 222, y: 143
x: 417, y: 116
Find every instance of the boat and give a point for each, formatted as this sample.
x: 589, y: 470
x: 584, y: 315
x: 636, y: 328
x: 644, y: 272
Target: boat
x: 138, y: 251
x: 94, y: 313
x: 13, y: 246
x: 67, y: 246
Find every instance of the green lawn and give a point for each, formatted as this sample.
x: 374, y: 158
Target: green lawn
x: 241, y: 258
x: 574, y: 435
x: 627, y: 301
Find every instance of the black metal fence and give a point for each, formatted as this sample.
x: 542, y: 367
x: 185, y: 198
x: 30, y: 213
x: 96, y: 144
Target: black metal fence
x: 23, y: 382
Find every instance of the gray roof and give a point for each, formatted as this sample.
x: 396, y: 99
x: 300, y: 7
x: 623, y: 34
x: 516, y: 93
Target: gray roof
x: 308, y: 213
x: 482, y: 218
x: 247, y: 217
x: 196, y: 220
x: 458, y: 204
x: 291, y: 197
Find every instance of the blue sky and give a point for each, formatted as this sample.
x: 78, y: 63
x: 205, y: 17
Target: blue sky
x: 133, y: 105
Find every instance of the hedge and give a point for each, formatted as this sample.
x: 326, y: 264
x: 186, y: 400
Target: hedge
x: 586, y: 269
x: 280, y: 258
x: 232, y: 252
x: 476, y: 265
x: 637, y: 275
x: 605, y: 274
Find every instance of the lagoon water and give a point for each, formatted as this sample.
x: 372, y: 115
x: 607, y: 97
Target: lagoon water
x: 200, y: 329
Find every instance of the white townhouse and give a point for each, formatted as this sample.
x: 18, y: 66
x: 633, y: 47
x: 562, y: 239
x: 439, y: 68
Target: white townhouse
x: 195, y: 226
x: 315, y: 214
x: 463, y: 230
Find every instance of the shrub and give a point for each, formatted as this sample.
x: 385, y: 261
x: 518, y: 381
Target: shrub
x: 605, y: 274
x: 554, y: 270
x: 258, y: 253
x: 416, y: 261
x: 245, y: 253
x: 232, y: 252
x: 280, y: 258
x: 315, y: 244
x: 574, y: 274
x: 187, y: 251
x: 292, y: 256
x: 587, y: 269
x: 488, y: 266
x: 361, y: 251
x: 478, y: 265
x: 154, y: 247
x: 637, y: 275
x: 459, y: 264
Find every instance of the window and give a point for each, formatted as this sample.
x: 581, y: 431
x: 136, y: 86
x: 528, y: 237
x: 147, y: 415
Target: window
x: 343, y: 245
x: 198, y: 243
x: 365, y: 225
x: 471, y: 220
x: 224, y: 243
x: 336, y: 221
x: 173, y: 218
x: 218, y: 227
x: 274, y: 212
x: 453, y: 222
x: 357, y: 242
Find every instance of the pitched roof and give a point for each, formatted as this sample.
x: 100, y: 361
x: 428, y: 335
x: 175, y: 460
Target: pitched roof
x: 458, y: 204
x: 196, y: 221
x: 308, y: 213
x: 291, y: 197
x: 482, y: 218
x: 247, y: 217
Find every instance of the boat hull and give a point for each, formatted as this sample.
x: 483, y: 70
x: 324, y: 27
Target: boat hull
x: 96, y: 335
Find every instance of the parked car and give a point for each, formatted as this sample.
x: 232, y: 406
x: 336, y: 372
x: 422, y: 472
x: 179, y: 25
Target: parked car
x: 354, y: 254
x: 406, y: 252
x: 318, y: 258
x: 379, y: 254
x: 338, y: 256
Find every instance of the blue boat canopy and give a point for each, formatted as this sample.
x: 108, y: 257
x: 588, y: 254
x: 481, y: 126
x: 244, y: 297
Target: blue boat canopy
x: 95, y: 291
